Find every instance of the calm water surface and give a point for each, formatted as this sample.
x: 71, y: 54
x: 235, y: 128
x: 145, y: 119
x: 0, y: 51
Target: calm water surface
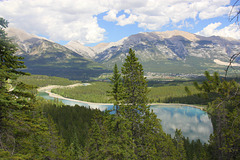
x: 194, y: 123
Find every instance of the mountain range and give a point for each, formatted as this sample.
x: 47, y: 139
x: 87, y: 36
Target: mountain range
x: 42, y: 56
x: 159, y: 52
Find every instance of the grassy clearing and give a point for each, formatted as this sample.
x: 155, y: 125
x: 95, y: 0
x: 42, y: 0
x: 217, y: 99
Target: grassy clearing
x: 163, y: 93
x: 97, y: 92
x: 42, y: 80
x: 160, y: 92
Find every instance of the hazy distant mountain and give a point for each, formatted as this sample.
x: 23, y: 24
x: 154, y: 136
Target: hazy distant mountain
x: 161, y: 52
x: 46, y: 57
x: 82, y: 50
x: 175, y: 45
x: 104, y: 46
x: 172, y: 51
x: 91, y: 52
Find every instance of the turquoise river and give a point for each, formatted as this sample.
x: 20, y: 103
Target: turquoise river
x: 194, y: 123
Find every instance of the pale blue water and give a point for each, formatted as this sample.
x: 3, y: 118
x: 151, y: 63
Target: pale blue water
x: 194, y: 123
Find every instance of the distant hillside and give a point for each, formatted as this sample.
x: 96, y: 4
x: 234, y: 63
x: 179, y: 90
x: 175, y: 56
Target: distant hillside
x: 173, y: 51
x: 170, y: 51
x: 48, y: 58
x: 159, y: 52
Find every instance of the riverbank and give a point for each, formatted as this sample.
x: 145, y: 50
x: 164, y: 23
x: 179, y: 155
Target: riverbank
x: 48, y: 89
x: 54, y: 95
x: 180, y: 104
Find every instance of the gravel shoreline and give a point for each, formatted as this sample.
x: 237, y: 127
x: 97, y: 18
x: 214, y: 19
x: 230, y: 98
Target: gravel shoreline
x: 48, y: 89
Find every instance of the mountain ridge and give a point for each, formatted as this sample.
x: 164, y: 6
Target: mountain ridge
x: 160, y: 52
x: 171, y: 40
x: 42, y: 56
x: 173, y: 52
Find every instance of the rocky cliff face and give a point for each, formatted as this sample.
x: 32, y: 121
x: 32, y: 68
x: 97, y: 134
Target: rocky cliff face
x: 92, y: 52
x: 173, y: 52
x: 155, y: 46
x: 175, y: 45
x: 33, y: 45
x: 82, y: 50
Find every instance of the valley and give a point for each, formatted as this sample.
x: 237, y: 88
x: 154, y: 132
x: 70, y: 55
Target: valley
x: 161, y: 91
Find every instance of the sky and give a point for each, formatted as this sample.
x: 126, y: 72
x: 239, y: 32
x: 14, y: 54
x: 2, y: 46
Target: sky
x: 95, y: 21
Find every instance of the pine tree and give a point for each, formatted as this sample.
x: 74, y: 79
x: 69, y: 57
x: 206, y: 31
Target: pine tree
x: 150, y: 140
x: 96, y: 137
x: 134, y: 98
x: 115, y: 128
x: 13, y: 96
x: 224, y: 112
x: 109, y: 138
x: 131, y: 131
x: 9, y: 65
x: 179, y: 143
x: 117, y: 88
x: 134, y: 82
x: 147, y: 134
x: 24, y: 132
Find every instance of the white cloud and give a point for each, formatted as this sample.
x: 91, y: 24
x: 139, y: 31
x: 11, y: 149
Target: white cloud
x: 76, y: 19
x: 153, y: 14
x: 229, y: 31
x: 123, y: 20
x: 194, y: 127
x: 111, y: 15
x: 214, y: 11
x: 59, y: 20
x: 208, y: 31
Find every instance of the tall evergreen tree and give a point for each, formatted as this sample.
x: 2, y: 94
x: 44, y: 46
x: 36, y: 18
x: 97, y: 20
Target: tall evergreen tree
x: 134, y: 82
x: 179, y: 143
x: 117, y: 88
x: 150, y: 140
x: 110, y: 137
x: 24, y: 132
x: 12, y: 95
x: 96, y: 138
x: 224, y: 111
x: 9, y: 65
x: 133, y: 132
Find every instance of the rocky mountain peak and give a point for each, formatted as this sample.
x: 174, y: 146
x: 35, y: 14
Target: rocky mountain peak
x: 21, y: 35
x: 172, y: 51
x: 103, y: 46
x: 100, y: 46
x: 169, y: 34
x: 82, y: 50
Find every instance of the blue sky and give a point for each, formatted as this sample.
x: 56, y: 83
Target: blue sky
x: 95, y: 21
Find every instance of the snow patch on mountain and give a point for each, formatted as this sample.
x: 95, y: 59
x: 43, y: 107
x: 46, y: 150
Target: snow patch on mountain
x: 226, y: 63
